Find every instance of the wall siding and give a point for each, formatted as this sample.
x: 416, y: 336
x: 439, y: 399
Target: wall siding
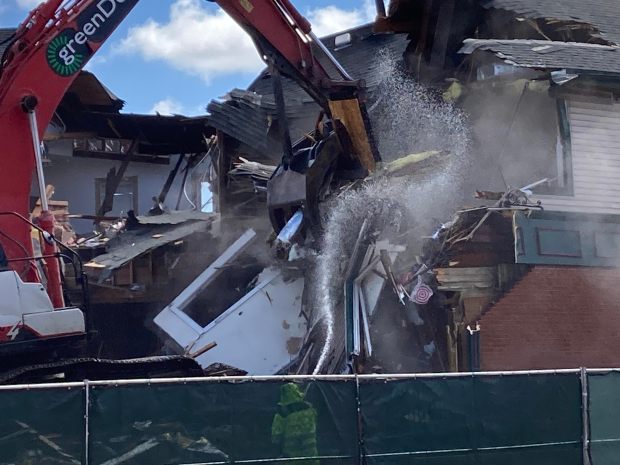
x: 595, y: 148
x: 74, y: 180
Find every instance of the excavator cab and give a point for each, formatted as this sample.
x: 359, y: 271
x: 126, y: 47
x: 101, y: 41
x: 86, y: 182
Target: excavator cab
x: 27, y: 316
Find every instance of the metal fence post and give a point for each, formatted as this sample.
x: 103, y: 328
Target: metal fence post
x: 585, y: 417
x: 361, y: 456
x: 86, y: 421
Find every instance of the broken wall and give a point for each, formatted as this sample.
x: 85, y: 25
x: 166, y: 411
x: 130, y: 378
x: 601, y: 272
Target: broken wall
x: 74, y: 181
x: 515, y: 134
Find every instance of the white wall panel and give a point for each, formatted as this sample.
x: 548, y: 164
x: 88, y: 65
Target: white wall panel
x: 595, y: 151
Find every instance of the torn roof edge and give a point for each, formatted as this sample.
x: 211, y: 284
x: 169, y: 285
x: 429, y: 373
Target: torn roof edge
x: 540, y: 54
x: 471, y: 45
x: 536, y: 12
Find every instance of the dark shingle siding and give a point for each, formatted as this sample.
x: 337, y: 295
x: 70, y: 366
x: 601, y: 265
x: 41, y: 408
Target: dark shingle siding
x: 5, y: 37
x: 602, y: 14
x: 554, y: 55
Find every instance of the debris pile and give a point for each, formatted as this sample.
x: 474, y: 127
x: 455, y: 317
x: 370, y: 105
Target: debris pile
x: 335, y: 249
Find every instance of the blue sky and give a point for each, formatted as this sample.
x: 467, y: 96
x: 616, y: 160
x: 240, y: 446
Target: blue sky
x: 174, y: 56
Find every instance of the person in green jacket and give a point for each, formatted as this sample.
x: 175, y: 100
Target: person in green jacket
x: 294, y: 427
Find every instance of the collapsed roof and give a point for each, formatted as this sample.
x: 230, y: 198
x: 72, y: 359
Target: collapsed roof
x: 541, y: 34
x: 602, y: 14
x: 250, y: 116
x: 90, y: 109
x: 550, y: 54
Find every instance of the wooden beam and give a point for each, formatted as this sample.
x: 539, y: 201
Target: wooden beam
x: 223, y: 167
x: 113, y: 180
x: 443, y: 30
x: 389, y: 25
x: 380, y: 4
x: 349, y: 113
x: 173, y: 174
x: 153, y: 159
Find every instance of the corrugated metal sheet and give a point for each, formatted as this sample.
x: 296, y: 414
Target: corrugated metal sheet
x: 132, y: 244
x: 595, y: 144
x: 248, y: 117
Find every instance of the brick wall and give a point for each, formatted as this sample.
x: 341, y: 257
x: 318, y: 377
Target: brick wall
x: 555, y: 317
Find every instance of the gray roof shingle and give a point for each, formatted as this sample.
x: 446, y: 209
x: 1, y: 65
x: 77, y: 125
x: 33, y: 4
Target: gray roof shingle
x: 549, y: 55
x: 602, y: 14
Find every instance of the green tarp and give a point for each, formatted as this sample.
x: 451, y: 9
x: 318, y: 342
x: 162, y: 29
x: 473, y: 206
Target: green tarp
x: 42, y: 427
x: 604, y: 395
x: 216, y: 422
x: 489, y: 420
x: 481, y: 420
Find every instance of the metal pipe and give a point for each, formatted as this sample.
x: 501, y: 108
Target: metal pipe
x: 26, y: 259
x: 380, y: 8
x: 278, y: 93
x: 331, y: 57
x: 585, y: 417
x: 361, y: 450
x: 474, y: 348
x: 289, y: 10
x: 286, y: 460
x: 38, y: 157
x: 46, y: 219
x: 86, y: 420
x: 601, y: 371
x: 479, y: 449
x: 292, y: 378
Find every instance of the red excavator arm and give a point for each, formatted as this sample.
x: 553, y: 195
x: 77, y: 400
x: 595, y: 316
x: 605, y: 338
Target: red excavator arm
x: 57, y: 40
x: 283, y: 35
x: 43, y: 59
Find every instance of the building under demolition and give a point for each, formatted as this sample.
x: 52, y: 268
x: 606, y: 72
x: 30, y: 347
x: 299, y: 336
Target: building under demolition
x: 492, y: 254
x: 496, y: 125
x: 369, y: 294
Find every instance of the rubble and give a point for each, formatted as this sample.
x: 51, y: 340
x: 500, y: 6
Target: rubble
x: 256, y: 171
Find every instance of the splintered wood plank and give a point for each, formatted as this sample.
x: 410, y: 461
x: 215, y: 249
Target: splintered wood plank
x: 348, y: 112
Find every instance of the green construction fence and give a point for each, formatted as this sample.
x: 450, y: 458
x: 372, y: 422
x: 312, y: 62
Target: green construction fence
x: 510, y: 418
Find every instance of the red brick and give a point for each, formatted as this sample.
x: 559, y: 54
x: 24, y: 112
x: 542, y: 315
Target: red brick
x: 555, y: 317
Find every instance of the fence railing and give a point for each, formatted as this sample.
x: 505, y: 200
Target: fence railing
x: 542, y: 417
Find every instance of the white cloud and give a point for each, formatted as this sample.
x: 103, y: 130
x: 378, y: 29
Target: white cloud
x: 167, y: 106
x: 195, y: 40
x: 208, y: 43
x: 95, y: 62
x: 331, y: 19
x: 28, y: 4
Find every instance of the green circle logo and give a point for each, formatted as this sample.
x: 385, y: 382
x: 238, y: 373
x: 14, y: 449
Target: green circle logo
x: 64, y: 56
